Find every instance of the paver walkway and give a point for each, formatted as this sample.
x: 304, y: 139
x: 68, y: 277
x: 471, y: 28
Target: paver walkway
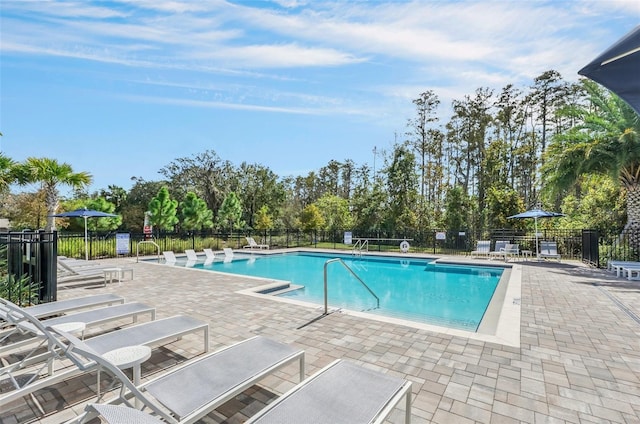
x: 578, y: 362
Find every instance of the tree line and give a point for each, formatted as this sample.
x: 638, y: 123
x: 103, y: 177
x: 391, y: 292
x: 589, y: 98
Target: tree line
x: 572, y: 147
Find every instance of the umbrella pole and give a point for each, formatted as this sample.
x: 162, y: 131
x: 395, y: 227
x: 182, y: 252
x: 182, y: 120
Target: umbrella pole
x: 86, y: 247
x: 535, y: 223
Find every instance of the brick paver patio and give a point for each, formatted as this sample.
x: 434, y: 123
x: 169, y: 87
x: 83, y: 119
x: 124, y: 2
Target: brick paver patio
x: 578, y: 360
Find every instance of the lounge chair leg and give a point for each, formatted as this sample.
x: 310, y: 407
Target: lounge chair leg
x: 407, y: 417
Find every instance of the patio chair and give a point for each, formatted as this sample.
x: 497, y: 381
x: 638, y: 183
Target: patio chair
x: 70, y: 269
x: 189, y: 392
x: 341, y: 392
x: 253, y: 245
x: 630, y: 270
x: 169, y: 257
x: 483, y: 247
x: 77, y: 264
x: 618, y: 266
x: 192, y: 256
x: 48, y: 309
x: 210, y: 254
x: 549, y: 249
x: 21, y: 320
x: 149, y: 334
x: 498, y: 250
x: 228, y: 254
x: 511, y: 250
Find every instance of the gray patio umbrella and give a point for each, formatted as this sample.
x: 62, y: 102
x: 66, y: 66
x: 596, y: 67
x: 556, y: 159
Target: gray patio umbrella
x: 536, y: 213
x: 618, y: 68
x: 84, y: 213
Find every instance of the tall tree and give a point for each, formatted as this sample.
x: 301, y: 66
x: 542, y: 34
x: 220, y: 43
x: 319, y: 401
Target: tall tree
x: 114, y: 194
x: 230, y: 213
x: 509, y: 121
x: 402, y: 189
x: 195, y: 213
x: 471, y: 123
x: 311, y: 219
x: 456, y: 216
x: 24, y: 210
x: 163, y: 211
x: 335, y: 212
x: 258, y: 186
x: 426, y: 141
x: 7, y: 172
x: 51, y: 174
x: 546, y: 97
x: 607, y: 140
x: 102, y: 224
x: 137, y: 201
x: 263, y: 220
x: 206, y: 174
x: 329, y: 177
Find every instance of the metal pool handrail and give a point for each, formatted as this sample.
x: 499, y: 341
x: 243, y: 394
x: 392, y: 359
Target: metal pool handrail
x: 326, y: 307
x: 146, y: 242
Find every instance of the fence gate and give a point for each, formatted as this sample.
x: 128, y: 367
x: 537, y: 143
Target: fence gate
x: 590, y: 247
x: 28, y: 267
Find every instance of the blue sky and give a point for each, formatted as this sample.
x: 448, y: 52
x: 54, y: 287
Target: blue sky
x: 122, y: 88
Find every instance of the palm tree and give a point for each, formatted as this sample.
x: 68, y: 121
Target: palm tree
x: 7, y: 172
x: 606, y: 140
x: 51, y: 174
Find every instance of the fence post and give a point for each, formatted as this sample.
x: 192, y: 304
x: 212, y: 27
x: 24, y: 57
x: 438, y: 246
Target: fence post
x: 590, y: 247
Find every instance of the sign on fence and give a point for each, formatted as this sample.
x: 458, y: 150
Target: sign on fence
x: 122, y: 243
x: 348, y: 236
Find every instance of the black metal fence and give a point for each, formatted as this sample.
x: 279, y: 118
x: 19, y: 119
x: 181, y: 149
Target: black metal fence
x: 621, y: 248
x: 28, y: 271
x: 434, y: 241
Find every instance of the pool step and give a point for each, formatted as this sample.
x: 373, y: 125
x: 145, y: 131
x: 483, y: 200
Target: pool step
x: 279, y: 288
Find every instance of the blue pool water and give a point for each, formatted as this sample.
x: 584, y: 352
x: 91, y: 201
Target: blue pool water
x: 414, y: 289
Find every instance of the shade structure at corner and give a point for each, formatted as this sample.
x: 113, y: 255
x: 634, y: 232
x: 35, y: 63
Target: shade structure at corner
x: 535, y: 214
x: 85, y: 213
x: 618, y: 68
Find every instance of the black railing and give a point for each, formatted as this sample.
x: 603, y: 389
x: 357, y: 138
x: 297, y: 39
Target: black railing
x: 433, y: 241
x: 28, y: 270
x: 625, y: 247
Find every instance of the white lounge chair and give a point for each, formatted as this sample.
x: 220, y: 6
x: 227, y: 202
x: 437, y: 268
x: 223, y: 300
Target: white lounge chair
x: 21, y: 323
x: 498, y: 250
x: 483, y: 247
x: 618, y: 266
x: 209, y: 253
x: 511, y: 251
x: 253, y: 245
x: 549, y: 249
x: 70, y: 269
x: 169, y: 257
x: 630, y: 270
x: 192, y: 256
x: 192, y: 390
x: 342, y: 392
x: 149, y: 334
x: 210, y: 256
x: 44, y: 310
x: 228, y: 254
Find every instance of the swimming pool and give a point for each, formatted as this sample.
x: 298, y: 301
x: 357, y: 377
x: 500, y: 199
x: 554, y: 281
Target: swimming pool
x: 454, y: 296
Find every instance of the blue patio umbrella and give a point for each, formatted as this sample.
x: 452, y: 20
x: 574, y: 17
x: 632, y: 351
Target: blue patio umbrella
x: 536, y: 213
x: 84, y: 213
x: 618, y: 68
